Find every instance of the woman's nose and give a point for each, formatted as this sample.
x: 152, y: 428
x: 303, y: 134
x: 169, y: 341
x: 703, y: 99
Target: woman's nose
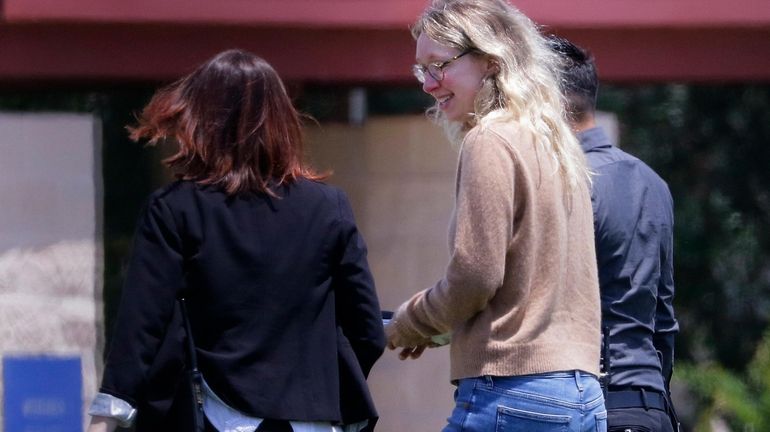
x: 430, y: 84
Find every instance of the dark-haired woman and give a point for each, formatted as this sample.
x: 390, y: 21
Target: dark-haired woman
x: 281, y: 301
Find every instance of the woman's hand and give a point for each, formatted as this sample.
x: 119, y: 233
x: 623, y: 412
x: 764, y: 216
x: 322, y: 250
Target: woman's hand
x: 410, y: 352
x: 102, y: 424
x: 407, y: 351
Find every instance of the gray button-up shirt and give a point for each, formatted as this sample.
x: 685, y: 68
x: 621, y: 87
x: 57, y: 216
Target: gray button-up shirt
x: 633, y: 225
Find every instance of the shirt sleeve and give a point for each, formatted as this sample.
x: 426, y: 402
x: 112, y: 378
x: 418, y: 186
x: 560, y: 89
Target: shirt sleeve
x: 480, y: 238
x: 106, y: 405
x: 666, y: 325
x: 153, y: 281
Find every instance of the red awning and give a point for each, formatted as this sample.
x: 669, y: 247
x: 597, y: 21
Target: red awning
x: 364, y: 41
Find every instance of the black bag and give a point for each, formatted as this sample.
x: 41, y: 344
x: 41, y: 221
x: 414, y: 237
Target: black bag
x: 194, y: 377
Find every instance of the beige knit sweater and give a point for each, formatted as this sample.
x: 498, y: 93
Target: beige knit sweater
x: 520, y: 294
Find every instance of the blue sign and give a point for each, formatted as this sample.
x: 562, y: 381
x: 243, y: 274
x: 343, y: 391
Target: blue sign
x: 42, y: 394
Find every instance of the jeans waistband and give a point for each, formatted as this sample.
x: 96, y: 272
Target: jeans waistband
x: 556, y: 374
x: 581, y: 380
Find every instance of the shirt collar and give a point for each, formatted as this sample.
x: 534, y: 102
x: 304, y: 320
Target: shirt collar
x: 593, y: 138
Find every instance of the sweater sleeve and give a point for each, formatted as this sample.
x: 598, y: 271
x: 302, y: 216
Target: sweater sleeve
x: 480, y: 236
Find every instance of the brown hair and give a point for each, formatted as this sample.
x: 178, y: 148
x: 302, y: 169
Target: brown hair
x: 233, y: 123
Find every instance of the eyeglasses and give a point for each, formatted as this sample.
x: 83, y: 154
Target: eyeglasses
x: 435, y: 70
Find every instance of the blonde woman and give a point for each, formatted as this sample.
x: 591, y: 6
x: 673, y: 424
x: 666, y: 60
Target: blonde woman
x: 520, y: 295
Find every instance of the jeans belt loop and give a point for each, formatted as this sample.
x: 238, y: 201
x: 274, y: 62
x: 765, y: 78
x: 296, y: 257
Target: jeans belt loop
x: 488, y: 381
x: 644, y: 399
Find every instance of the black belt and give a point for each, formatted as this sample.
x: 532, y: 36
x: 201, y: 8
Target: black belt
x: 635, y: 399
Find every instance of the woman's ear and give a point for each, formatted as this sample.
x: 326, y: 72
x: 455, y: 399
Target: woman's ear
x: 493, y: 67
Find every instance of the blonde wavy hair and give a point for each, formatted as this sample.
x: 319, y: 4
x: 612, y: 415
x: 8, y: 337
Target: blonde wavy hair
x: 524, y: 88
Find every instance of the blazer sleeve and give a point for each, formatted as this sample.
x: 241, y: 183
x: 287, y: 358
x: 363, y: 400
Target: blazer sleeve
x: 358, y: 310
x: 153, y: 281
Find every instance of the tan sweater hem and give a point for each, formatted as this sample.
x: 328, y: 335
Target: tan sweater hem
x: 524, y: 360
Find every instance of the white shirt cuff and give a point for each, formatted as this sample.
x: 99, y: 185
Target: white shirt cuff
x: 106, y: 405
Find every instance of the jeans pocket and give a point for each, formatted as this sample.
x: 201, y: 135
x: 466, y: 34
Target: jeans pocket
x: 512, y: 419
x: 601, y: 421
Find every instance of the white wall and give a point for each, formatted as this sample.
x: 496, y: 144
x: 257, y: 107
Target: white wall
x: 51, y: 264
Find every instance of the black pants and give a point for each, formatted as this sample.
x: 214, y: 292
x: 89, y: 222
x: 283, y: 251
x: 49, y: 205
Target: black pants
x: 638, y: 420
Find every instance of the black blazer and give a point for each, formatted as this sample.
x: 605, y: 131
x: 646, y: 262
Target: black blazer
x: 282, y: 304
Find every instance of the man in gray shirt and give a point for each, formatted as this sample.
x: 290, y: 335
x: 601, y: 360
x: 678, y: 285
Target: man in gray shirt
x: 633, y: 226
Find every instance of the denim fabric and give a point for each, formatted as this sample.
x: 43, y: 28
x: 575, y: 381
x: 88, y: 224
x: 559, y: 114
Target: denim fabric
x: 557, y: 401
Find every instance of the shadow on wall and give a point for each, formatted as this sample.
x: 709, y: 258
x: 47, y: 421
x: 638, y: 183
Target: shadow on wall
x: 399, y: 174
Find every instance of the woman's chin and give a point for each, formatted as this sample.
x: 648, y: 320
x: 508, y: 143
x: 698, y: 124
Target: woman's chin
x: 457, y: 116
x: 454, y: 117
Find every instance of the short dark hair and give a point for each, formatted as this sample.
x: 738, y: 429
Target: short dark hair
x: 233, y: 124
x: 579, y: 80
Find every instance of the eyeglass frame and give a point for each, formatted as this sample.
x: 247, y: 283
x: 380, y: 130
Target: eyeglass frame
x: 419, y: 70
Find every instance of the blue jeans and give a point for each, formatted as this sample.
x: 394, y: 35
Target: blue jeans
x: 556, y: 401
